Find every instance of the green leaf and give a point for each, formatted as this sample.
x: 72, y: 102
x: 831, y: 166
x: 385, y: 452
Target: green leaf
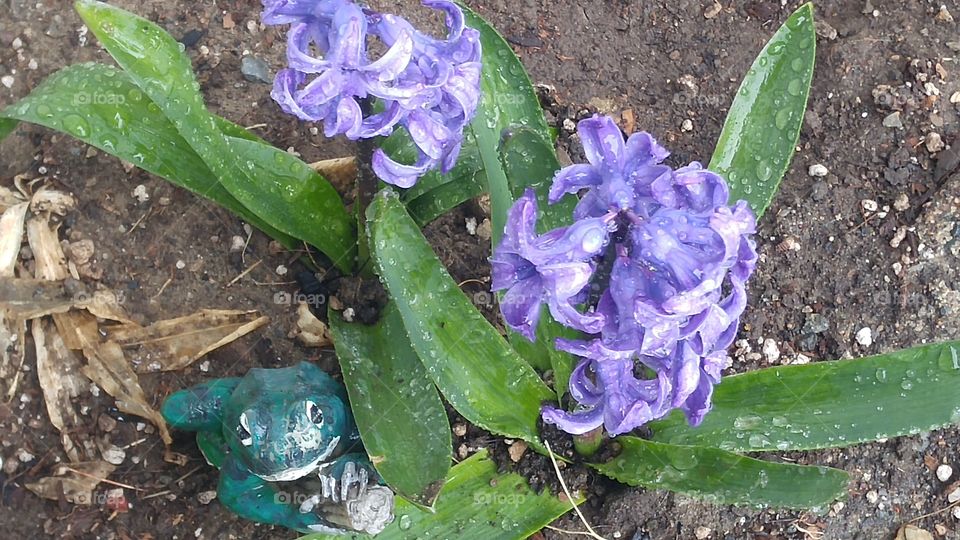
x: 829, y: 404
x: 471, y: 363
x: 7, y: 126
x: 475, y: 504
x: 529, y: 158
x: 763, y: 124
x: 402, y: 421
x: 273, y: 184
x: 99, y: 105
x: 723, y: 477
x: 509, y: 100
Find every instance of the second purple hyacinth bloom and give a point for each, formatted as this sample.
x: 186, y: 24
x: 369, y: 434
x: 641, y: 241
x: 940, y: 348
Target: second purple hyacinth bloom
x: 429, y: 86
x: 675, y: 258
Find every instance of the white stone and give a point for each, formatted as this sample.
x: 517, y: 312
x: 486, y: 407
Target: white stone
x: 687, y: 125
x: 702, y: 532
x: 471, y: 224
x: 7, y: 80
x: 24, y: 456
x: 771, y: 352
x: 801, y: 360
x: 569, y: 124
x: 944, y: 472
x: 954, y: 496
x: 956, y: 512
x: 873, y: 496
x: 865, y: 336
x: 237, y: 243
x: 281, y: 270
x: 140, y: 193
x: 181, y: 265
x: 869, y: 205
x: 818, y: 170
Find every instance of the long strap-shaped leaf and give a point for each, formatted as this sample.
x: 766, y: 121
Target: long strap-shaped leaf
x: 763, y: 124
x: 471, y: 363
x: 402, y: 421
x: 267, y: 180
x: 829, y: 404
x: 723, y: 477
x: 475, y: 504
x: 99, y: 105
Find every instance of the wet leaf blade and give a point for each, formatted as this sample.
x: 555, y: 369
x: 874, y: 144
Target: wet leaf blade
x: 829, y: 404
x: 762, y: 127
x: 476, y: 503
x: 471, y: 363
x: 402, y: 421
x: 124, y: 123
x: 271, y: 183
x: 723, y: 477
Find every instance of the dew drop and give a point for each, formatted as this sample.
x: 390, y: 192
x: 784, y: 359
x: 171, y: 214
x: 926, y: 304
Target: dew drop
x: 747, y: 422
x: 404, y: 522
x: 881, y: 375
x: 76, y: 125
x: 782, y: 118
x: 794, y: 87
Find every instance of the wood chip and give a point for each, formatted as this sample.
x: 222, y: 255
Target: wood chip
x: 341, y: 172
x: 310, y: 331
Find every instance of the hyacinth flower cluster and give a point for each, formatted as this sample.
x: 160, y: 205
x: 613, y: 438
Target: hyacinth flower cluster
x: 429, y: 86
x: 652, y: 270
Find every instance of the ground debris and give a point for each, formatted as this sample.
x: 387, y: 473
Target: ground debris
x: 74, y: 482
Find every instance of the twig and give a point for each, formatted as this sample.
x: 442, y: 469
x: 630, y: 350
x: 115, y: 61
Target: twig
x: 592, y: 533
x: 256, y: 126
x: 163, y: 287
x: 104, y: 480
x: 139, y: 221
x: 157, y: 494
x: 567, y: 531
x: 245, y: 272
x: 940, y: 511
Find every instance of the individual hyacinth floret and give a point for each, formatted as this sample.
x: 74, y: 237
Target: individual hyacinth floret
x: 429, y: 86
x: 653, y: 270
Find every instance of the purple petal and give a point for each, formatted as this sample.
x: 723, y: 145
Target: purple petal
x: 602, y: 143
x: 572, y: 179
x: 521, y: 307
x: 397, y: 174
x: 574, y: 423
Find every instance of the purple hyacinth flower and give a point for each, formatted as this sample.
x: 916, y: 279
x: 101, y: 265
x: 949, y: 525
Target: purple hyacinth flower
x: 552, y: 268
x: 673, y: 289
x: 429, y: 86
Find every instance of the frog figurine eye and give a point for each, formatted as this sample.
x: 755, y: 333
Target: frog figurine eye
x: 315, y: 414
x: 243, y: 430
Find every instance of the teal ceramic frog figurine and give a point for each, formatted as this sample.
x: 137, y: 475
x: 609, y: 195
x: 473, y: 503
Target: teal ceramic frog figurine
x: 285, y: 443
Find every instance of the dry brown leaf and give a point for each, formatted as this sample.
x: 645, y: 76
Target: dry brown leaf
x: 31, y: 298
x: 8, y: 198
x: 107, y: 367
x: 912, y: 532
x: 51, y: 264
x: 76, y: 481
x: 51, y: 200
x: 341, y: 172
x: 11, y: 236
x: 176, y: 343
x: 310, y: 330
x: 59, y: 373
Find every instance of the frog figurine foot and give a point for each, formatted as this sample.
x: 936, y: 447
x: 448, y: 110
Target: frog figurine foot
x: 285, y: 443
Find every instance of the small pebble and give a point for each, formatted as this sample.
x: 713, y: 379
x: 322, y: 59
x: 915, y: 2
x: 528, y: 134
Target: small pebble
x: 873, y: 496
x: 140, y: 193
x: 348, y: 314
x: 7, y: 80
x: 32, y: 65
x: 255, y: 70
x: 181, y: 265
x: 869, y: 205
x: 892, y: 120
x: 801, y: 360
x: 711, y: 12
x: 771, y: 352
x: 956, y: 512
x: 901, y: 203
x: 205, y: 366
x: 459, y: 430
x: 944, y: 472
x: 516, y: 450
x: 934, y: 142
x: 237, y: 243
x: 569, y: 124
x: 205, y: 497
x: 687, y: 125
x: 954, y: 496
x: 865, y: 336
x: 818, y: 170
x: 281, y: 270
x: 702, y: 532
x: 471, y: 223
x: 24, y: 456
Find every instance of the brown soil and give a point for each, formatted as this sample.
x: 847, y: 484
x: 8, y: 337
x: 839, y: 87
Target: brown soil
x: 818, y: 254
